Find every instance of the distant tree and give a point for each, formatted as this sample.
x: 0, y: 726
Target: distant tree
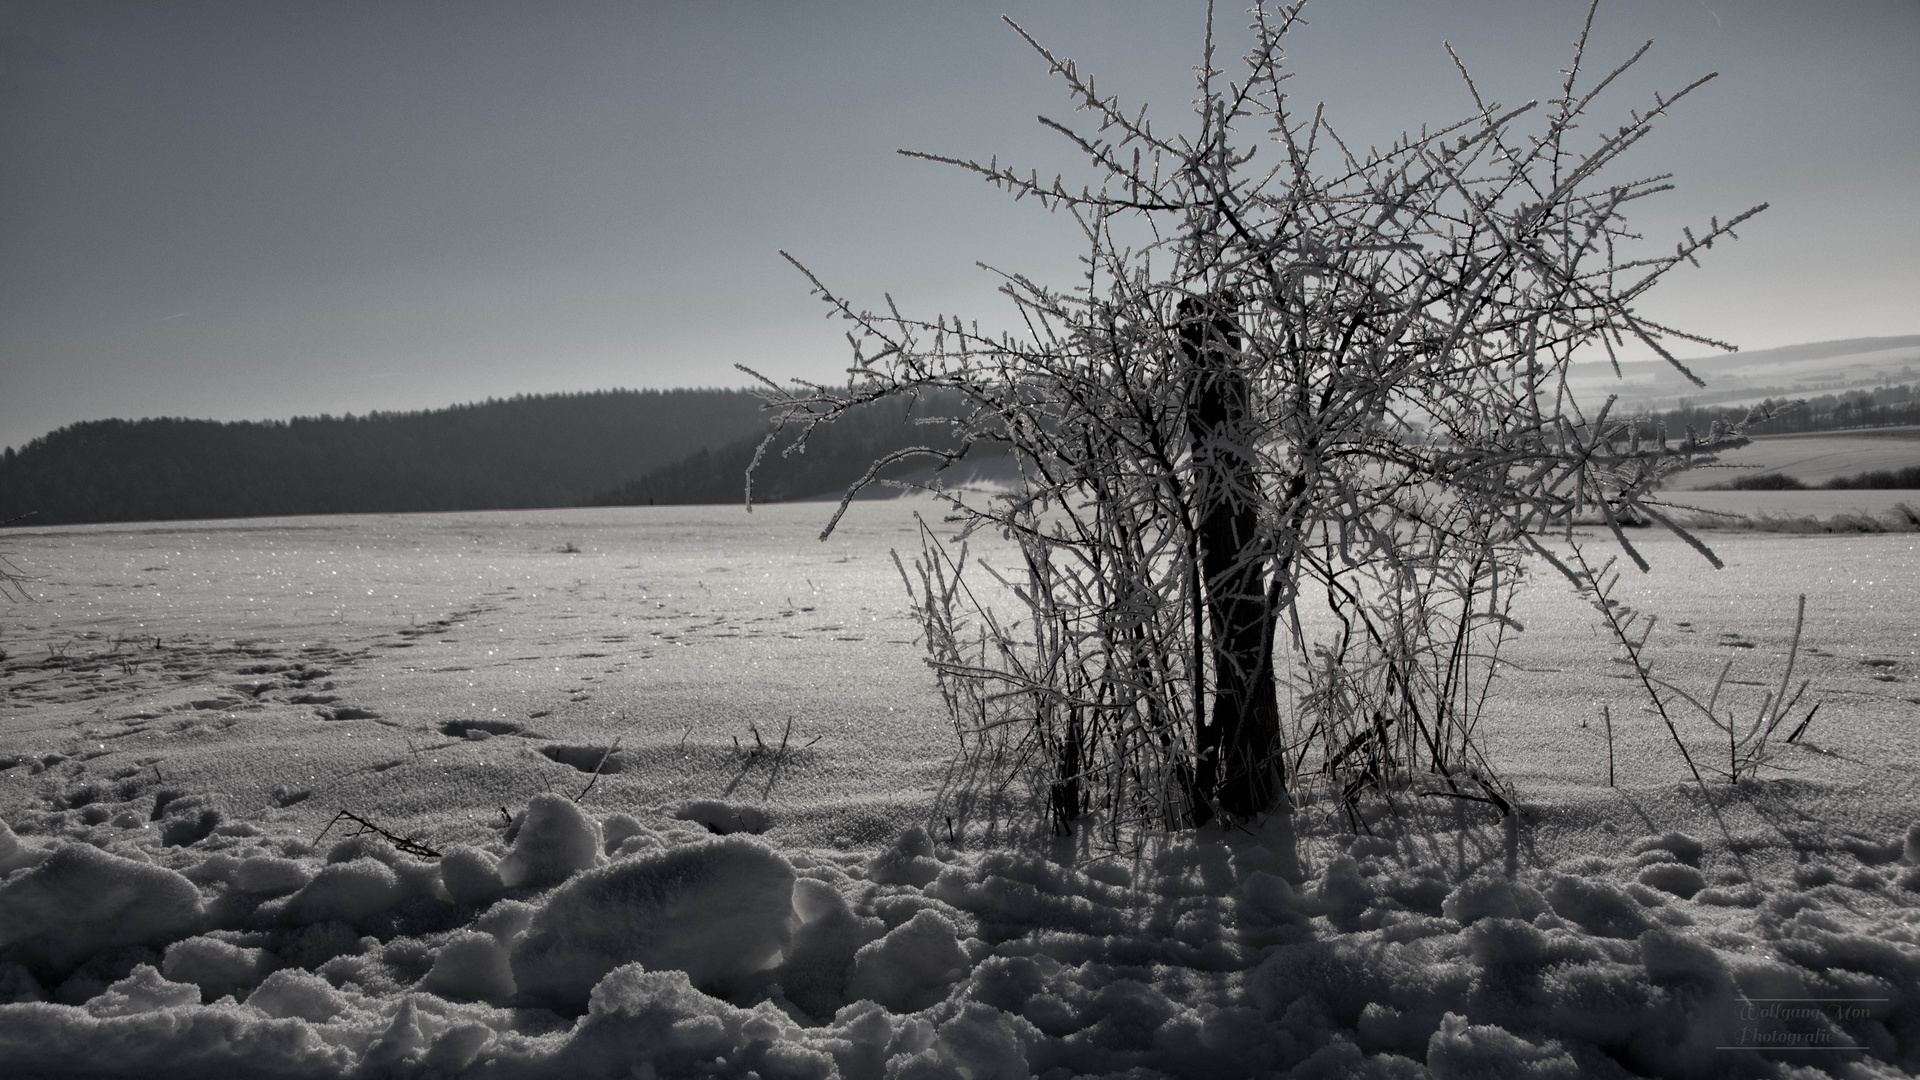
x: 1305, y: 412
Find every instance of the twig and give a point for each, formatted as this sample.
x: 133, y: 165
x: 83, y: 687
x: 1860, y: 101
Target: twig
x: 403, y: 843
x: 595, y: 778
x: 1606, y: 714
x: 1795, y: 737
x: 779, y: 759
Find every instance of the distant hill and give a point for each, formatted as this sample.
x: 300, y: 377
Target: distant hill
x: 524, y: 452
x: 1743, y: 378
x: 837, y: 455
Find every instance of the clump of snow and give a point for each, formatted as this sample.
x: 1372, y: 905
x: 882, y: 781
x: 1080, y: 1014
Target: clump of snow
x: 267, y: 875
x: 217, y: 967
x: 471, y: 966
x: 648, y: 1023
x: 143, y: 990
x: 470, y: 875
x: 506, y: 920
x: 912, y: 967
x: 1461, y: 1049
x: 295, y: 993
x: 1492, y: 896
x: 1600, y: 907
x: 555, y: 840
x: 346, y: 892
x: 814, y: 973
x: 188, y: 819
x: 363, y: 845
x: 908, y: 861
x: 718, y: 910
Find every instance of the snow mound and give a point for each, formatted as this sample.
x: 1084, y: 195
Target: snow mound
x: 296, y: 993
x: 1677, y: 878
x: 1678, y: 845
x: 909, y: 861
x: 1464, y: 1050
x: 718, y: 911
x: 81, y: 900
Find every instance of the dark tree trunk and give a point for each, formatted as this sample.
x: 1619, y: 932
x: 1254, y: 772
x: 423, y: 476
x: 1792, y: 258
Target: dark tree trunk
x: 1239, y: 766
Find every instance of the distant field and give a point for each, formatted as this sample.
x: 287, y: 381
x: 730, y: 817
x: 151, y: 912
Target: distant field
x: 1813, y: 459
x: 1795, y: 504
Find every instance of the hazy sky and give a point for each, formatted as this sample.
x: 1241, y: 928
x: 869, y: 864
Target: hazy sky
x: 254, y: 210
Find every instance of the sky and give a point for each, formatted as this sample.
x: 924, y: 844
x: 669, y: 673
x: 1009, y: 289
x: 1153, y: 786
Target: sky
x: 240, y: 210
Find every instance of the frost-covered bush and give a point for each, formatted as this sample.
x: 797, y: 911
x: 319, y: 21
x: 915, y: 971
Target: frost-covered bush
x: 1295, y: 381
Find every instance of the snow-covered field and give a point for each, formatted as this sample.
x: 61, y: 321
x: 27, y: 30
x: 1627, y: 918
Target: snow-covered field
x: 189, y: 705
x: 1815, y: 458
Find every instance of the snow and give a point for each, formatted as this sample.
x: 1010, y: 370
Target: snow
x: 218, y: 968
x: 718, y: 910
x: 912, y: 967
x: 344, y: 892
x: 554, y: 841
x: 470, y: 875
x: 725, y: 952
x: 166, y: 908
x: 471, y: 966
x: 80, y: 901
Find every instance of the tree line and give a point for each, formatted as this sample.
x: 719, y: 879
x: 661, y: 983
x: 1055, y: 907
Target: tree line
x: 518, y: 453
x: 600, y: 448
x: 1885, y: 407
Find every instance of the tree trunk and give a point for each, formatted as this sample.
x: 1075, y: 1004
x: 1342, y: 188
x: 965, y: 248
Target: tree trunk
x: 1239, y: 771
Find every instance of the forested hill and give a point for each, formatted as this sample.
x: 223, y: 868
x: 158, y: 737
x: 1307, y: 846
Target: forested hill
x: 524, y: 452
x: 837, y: 455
